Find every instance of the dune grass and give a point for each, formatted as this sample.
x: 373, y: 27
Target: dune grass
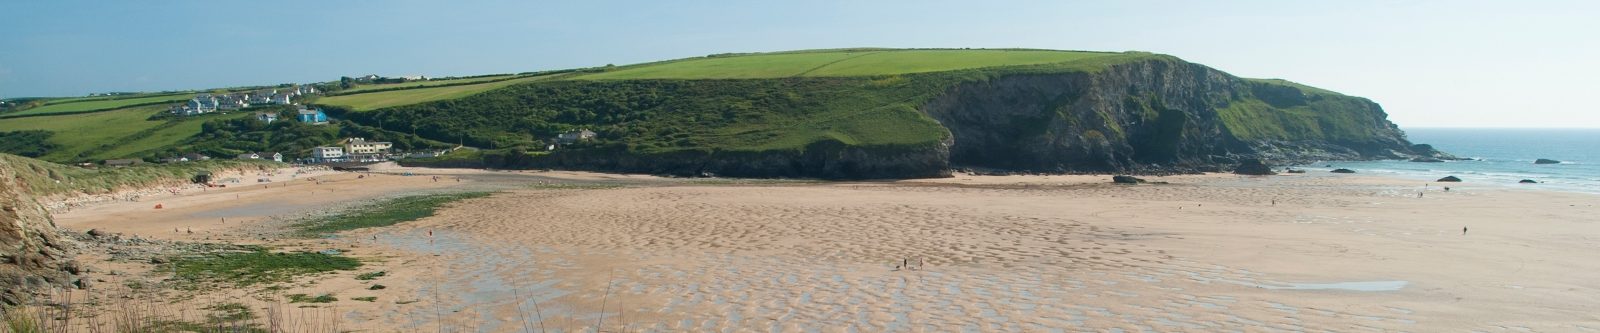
x: 45, y: 178
x: 87, y: 104
x: 383, y: 99
x: 384, y: 213
x: 838, y: 63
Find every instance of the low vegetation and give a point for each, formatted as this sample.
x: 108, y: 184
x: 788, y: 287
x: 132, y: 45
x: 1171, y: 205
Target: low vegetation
x: 371, y: 275
x: 100, y: 104
x: 837, y: 63
x: 257, y: 267
x: 426, y: 83
x: 303, y: 298
x: 383, y: 99
x: 384, y: 213
x: 45, y: 178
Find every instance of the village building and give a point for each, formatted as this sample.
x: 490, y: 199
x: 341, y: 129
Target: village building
x: 257, y: 156
x: 267, y: 117
x: 328, y: 154
x: 575, y: 136
x: 362, y: 146
x: 311, y: 116
x: 195, y: 157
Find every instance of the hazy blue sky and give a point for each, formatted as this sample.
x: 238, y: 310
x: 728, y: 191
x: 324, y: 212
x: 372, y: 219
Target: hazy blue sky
x: 1430, y: 63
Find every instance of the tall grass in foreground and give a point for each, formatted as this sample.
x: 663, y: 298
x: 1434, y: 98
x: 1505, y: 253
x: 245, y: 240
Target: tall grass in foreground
x: 120, y: 311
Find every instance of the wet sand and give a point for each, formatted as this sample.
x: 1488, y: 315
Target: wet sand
x: 990, y: 254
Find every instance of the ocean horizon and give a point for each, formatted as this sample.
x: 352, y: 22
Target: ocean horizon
x: 1499, y: 156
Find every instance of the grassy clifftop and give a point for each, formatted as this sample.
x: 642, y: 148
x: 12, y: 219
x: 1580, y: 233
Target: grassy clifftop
x: 1095, y: 105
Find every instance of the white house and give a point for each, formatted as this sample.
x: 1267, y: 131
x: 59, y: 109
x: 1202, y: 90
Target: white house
x: 327, y: 154
x: 575, y: 136
x: 198, y: 105
x: 282, y: 99
x: 362, y: 146
x: 249, y: 156
x: 276, y: 157
x: 268, y: 117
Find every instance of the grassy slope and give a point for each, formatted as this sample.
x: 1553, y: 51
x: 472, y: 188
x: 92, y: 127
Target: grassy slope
x: 839, y: 63
x: 110, y: 134
x: 1320, y: 115
x: 428, y: 83
x: 383, y: 99
x: 87, y: 104
x: 854, y: 96
x: 666, y: 115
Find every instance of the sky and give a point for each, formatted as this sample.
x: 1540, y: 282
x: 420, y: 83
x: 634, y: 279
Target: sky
x: 1429, y: 63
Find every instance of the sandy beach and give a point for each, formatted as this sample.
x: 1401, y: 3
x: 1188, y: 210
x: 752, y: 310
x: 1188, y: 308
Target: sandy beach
x: 627, y: 253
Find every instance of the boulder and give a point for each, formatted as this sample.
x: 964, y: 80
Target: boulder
x: 1546, y: 161
x: 1295, y: 171
x: 97, y: 233
x: 1253, y: 167
x: 1449, y: 179
x: 1342, y: 171
x: 1125, y: 179
x: 1426, y: 160
x: 1528, y: 181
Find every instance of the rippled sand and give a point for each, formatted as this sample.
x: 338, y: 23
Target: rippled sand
x: 998, y: 254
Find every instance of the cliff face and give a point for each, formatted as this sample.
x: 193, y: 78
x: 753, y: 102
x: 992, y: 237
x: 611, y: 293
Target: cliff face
x: 1138, y: 113
x: 1156, y: 116
x: 32, y: 253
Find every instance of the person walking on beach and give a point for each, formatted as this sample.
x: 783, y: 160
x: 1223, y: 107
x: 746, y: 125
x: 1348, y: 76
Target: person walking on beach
x: 1463, y: 231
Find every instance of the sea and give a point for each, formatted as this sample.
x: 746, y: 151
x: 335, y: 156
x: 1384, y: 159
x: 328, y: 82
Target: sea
x: 1499, y: 156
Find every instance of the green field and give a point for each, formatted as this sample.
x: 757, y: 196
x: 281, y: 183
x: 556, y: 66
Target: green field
x: 86, y: 104
x: 428, y: 83
x: 838, y: 63
x: 383, y: 99
x: 111, y: 134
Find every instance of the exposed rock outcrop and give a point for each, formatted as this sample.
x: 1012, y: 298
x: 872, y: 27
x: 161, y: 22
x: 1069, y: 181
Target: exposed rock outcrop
x: 1343, y: 171
x: 1125, y: 179
x: 1155, y: 116
x: 1546, y: 161
x: 33, y: 255
x: 1253, y: 167
x: 1528, y: 181
x: 1449, y: 179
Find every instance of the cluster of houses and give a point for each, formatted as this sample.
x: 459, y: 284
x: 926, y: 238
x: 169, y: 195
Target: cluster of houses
x: 309, y: 115
x: 208, y: 103
x: 353, y: 150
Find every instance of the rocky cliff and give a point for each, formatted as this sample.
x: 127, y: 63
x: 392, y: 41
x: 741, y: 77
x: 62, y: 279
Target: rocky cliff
x: 33, y: 255
x: 1160, y: 115
x: 1127, y: 113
